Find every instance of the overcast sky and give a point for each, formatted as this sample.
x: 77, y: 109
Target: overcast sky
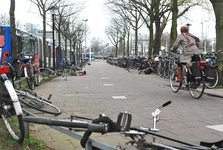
x: 98, y: 19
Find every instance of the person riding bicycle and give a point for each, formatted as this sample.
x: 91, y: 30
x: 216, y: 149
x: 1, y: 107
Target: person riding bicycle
x: 190, y: 45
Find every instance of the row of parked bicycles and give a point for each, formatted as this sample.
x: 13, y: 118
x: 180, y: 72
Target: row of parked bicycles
x: 166, y: 65
x: 12, y: 93
x: 135, y: 64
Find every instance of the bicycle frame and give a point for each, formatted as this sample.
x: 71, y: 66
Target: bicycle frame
x: 11, y: 90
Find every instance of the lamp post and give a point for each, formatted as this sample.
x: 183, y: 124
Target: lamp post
x: 85, y: 33
x: 53, y: 14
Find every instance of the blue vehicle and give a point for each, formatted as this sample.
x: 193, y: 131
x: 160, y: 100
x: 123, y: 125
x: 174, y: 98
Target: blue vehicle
x: 26, y: 43
x: 92, y: 55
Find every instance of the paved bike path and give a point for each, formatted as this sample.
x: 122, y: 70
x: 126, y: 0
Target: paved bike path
x: 94, y: 93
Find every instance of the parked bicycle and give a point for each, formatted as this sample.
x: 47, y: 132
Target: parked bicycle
x: 66, y: 69
x: 10, y: 108
x: 25, y: 69
x: 35, y: 101
x: 212, y: 68
x: 47, y: 72
x: 195, y: 86
x: 104, y: 125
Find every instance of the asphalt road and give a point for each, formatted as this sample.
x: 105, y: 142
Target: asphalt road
x: 109, y: 89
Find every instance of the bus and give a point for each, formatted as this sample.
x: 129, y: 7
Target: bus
x: 28, y: 44
x: 92, y: 55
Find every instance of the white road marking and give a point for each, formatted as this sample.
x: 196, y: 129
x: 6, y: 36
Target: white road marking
x: 118, y: 97
x: 216, y: 127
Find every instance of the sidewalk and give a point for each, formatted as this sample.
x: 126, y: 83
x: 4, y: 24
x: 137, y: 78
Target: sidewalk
x: 91, y: 95
x: 214, y: 92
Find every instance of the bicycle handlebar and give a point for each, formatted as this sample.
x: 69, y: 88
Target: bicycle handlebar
x: 165, y: 104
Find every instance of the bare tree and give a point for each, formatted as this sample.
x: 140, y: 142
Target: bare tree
x: 5, y: 20
x: 129, y: 12
x: 66, y: 10
x: 96, y: 44
x: 44, y: 6
x: 113, y: 33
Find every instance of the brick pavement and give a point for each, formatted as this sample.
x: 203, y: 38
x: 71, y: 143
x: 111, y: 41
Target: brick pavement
x: 92, y: 94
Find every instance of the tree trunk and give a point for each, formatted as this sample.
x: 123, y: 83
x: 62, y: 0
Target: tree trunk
x: 13, y: 32
x: 128, y: 40
x: 65, y: 48
x: 173, y: 34
x: 151, y: 38
x: 136, y: 38
x: 218, y: 9
x: 70, y: 50
x: 59, y: 45
x: 157, y: 42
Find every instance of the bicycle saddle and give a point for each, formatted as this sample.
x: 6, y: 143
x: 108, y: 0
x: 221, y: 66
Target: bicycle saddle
x: 78, y: 68
x: 25, y: 60
x: 219, y: 144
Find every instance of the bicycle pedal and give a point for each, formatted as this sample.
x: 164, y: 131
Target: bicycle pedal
x: 124, y: 121
x: 49, y: 97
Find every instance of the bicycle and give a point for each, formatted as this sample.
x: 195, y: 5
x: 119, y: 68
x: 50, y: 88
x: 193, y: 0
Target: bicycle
x: 35, y: 76
x: 47, y: 72
x: 10, y: 108
x: 211, y: 59
x: 66, y: 69
x: 196, y: 88
x: 25, y: 69
x: 104, y: 125
x: 35, y: 101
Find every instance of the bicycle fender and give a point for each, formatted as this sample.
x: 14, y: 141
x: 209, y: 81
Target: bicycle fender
x: 25, y: 71
x: 14, y: 97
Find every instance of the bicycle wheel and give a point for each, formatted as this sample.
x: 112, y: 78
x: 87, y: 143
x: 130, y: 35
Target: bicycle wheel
x: 47, y: 72
x: 132, y: 67
x: 213, y: 84
x: 30, y: 79
x: 36, y: 76
x: 160, y: 70
x: 39, y: 104
x: 13, y: 123
x: 196, y: 88
x: 175, y: 86
x: 72, y: 72
x: 167, y: 71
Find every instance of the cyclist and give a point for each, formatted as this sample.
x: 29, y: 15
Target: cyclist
x: 190, y: 45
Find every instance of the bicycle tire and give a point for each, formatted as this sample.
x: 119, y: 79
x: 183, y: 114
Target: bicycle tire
x: 30, y: 79
x: 132, y: 67
x: 40, y: 105
x: 37, y: 79
x: 72, y: 72
x: 36, y: 76
x: 175, y: 86
x: 160, y: 70
x: 13, y: 123
x: 167, y: 71
x: 19, y: 134
x: 47, y: 72
x: 213, y: 84
x: 196, y: 88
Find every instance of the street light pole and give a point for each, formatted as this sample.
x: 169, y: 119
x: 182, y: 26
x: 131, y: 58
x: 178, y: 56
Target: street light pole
x: 53, y: 14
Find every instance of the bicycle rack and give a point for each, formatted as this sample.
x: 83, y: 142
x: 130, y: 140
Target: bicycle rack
x: 90, y: 143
